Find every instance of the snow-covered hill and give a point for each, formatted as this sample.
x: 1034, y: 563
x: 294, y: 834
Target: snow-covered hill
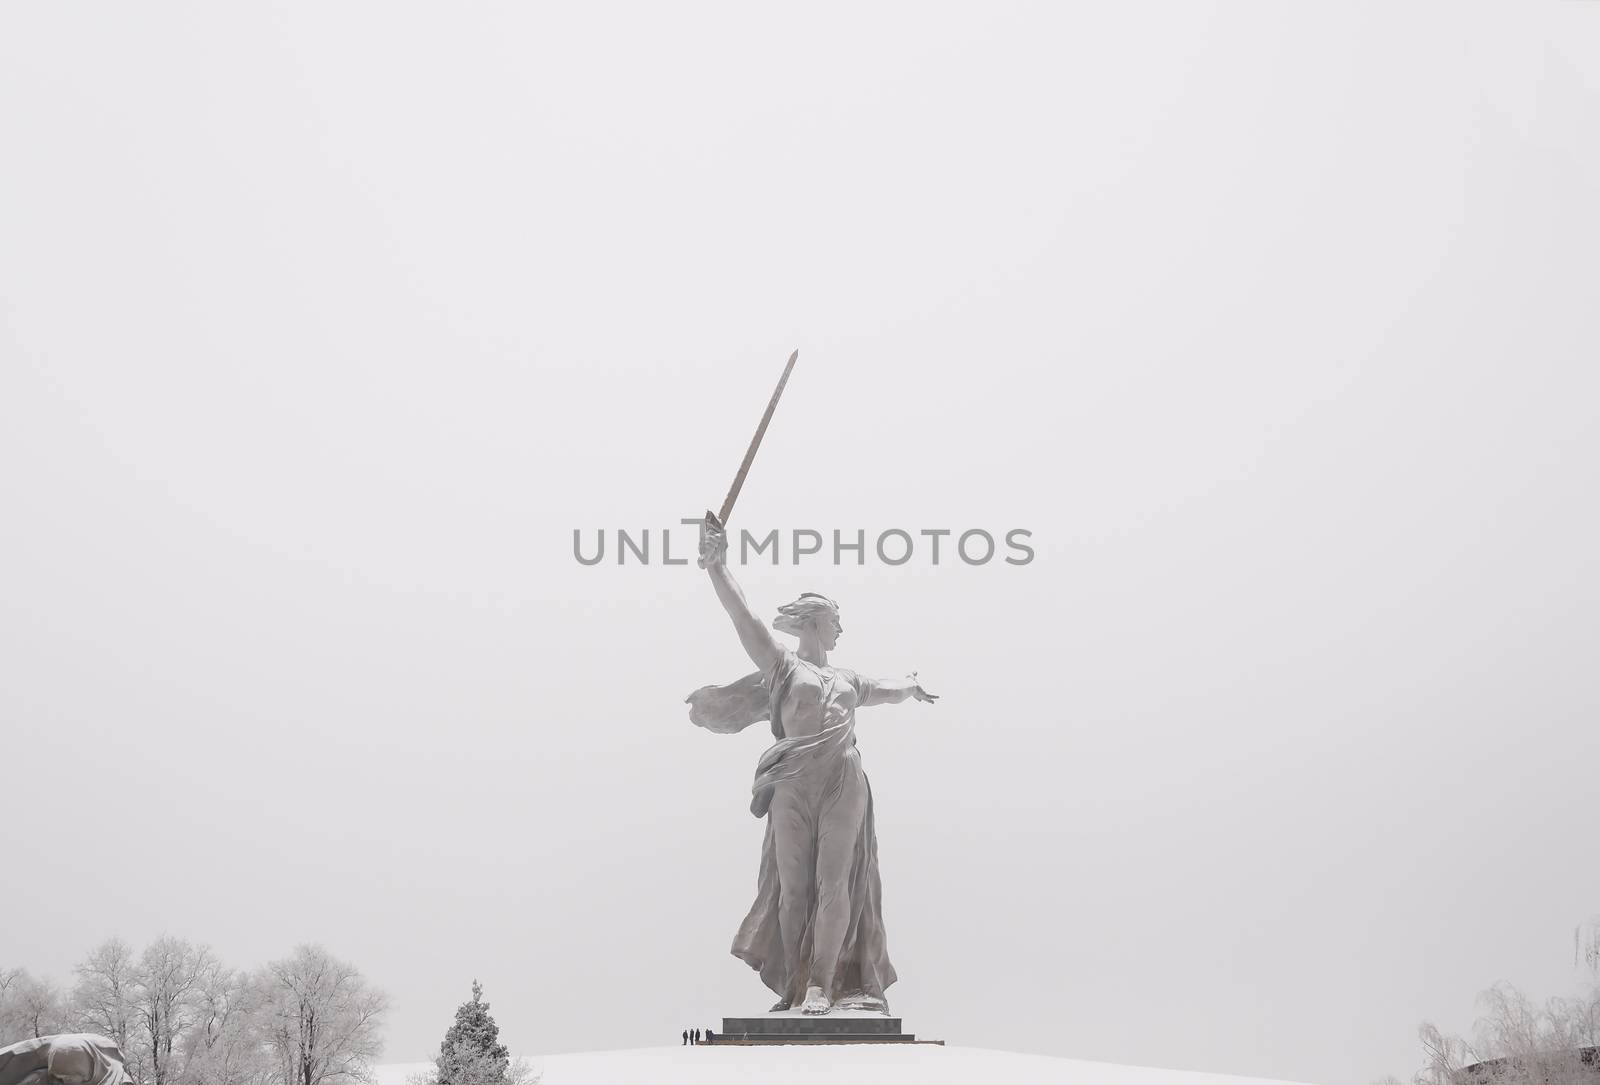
x: 835, y: 1065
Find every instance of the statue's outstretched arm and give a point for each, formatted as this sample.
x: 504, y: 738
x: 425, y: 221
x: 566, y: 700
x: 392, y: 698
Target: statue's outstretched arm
x: 895, y: 690
x: 755, y: 636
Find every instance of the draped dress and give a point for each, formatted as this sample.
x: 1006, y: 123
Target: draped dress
x: 28, y: 1062
x: 814, y: 783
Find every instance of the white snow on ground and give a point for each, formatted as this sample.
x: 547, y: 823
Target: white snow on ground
x: 864, y: 1064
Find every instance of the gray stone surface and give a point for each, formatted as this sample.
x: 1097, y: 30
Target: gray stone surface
x: 801, y: 1028
x: 73, y: 1058
x: 815, y: 931
x: 831, y: 1025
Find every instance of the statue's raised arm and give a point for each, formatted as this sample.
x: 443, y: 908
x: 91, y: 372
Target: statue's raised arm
x: 815, y: 932
x: 753, y: 633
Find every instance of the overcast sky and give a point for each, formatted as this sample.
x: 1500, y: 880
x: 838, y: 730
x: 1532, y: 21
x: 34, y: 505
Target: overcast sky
x: 322, y: 327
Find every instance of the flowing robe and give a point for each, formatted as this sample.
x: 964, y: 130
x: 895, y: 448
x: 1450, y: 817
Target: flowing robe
x: 808, y: 780
x: 29, y: 1060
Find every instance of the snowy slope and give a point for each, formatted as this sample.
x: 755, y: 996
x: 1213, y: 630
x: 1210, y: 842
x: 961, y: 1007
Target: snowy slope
x: 835, y: 1065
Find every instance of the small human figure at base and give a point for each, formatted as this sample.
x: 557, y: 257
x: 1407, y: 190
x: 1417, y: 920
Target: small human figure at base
x: 685, y: 1037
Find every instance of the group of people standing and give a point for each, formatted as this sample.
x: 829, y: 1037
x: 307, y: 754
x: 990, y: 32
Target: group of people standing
x: 693, y: 1036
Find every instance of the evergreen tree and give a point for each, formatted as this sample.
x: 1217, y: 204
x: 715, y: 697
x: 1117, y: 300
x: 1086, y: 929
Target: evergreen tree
x: 472, y: 1053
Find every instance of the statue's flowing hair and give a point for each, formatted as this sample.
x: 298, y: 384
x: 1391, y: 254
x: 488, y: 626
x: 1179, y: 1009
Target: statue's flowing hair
x: 793, y: 617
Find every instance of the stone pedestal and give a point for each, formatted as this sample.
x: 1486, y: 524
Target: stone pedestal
x: 793, y: 1027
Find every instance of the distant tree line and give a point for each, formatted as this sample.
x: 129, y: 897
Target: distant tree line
x: 183, y: 1017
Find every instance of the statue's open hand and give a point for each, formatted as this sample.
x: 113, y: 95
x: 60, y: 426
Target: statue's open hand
x: 919, y: 693
x: 713, y: 543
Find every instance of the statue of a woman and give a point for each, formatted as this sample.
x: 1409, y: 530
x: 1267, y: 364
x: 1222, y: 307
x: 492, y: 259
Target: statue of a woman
x: 815, y: 932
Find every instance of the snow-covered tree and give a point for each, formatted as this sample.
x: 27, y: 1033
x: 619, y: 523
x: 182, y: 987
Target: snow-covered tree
x: 11, y: 981
x: 322, y: 1022
x: 29, y: 1007
x: 226, y: 1044
x: 102, y: 1000
x: 472, y: 1054
x: 182, y: 1017
x: 165, y: 991
x: 1518, y: 1042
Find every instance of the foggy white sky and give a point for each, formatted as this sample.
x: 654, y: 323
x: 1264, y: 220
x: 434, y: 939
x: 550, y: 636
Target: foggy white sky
x: 322, y: 327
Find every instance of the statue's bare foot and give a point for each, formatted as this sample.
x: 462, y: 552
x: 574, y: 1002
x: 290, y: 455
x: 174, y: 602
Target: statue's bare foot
x: 780, y: 1006
x: 863, y: 1001
x: 816, y: 1002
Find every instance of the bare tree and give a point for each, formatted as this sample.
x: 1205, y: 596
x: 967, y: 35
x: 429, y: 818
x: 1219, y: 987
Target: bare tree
x: 34, y: 1008
x: 226, y: 1043
x: 1446, y: 1056
x: 1517, y: 1042
x: 1585, y: 1018
x: 322, y: 1020
x: 168, y: 980
x: 1511, y: 1026
x: 103, y: 999
x: 1531, y: 1043
x: 182, y: 1017
x: 9, y: 1029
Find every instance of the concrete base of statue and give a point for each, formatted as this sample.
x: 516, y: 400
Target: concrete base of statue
x: 794, y: 1027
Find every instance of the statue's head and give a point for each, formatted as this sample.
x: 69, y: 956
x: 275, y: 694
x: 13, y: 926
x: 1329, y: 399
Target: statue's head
x: 812, y: 613
x: 71, y: 1061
